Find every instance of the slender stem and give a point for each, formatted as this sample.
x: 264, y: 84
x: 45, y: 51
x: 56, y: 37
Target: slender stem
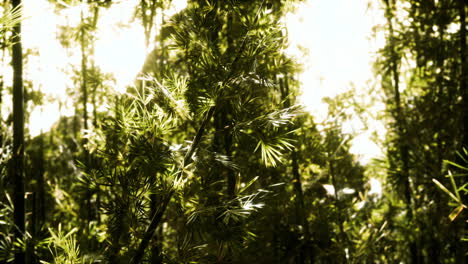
x: 401, y: 127
x: 464, y: 70
x: 17, y: 168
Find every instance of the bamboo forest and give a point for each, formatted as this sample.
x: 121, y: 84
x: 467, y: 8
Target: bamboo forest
x: 235, y: 131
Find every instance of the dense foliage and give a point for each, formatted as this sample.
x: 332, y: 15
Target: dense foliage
x: 208, y: 158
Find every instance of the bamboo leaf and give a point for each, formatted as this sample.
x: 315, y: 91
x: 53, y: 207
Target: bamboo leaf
x: 443, y: 188
x: 453, y: 215
x: 11, y: 18
x: 248, y: 184
x: 463, y: 187
x: 454, y: 185
x: 465, y: 152
x: 456, y: 165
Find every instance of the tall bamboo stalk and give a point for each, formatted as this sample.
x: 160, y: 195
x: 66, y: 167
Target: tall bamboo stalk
x: 462, y: 4
x: 17, y: 163
x: 403, y: 147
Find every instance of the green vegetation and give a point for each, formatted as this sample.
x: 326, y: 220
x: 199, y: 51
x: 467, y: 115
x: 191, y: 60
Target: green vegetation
x: 208, y: 157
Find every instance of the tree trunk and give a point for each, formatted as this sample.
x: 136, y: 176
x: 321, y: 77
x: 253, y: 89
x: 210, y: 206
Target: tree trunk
x: 17, y: 163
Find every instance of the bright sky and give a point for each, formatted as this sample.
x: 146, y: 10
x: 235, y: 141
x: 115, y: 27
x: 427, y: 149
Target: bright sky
x: 119, y: 50
x: 338, y: 37
x: 335, y: 33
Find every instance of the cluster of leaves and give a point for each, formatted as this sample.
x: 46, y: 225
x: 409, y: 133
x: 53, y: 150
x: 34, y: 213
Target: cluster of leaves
x: 207, y: 159
x: 206, y: 142
x: 420, y: 68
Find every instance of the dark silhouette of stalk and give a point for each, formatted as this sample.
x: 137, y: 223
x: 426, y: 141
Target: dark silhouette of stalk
x: 464, y: 69
x: 400, y: 123
x: 94, y: 209
x: 300, y: 209
x: 461, y: 252
x: 156, y: 248
x: 2, y: 81
x: 84, y: 79
x: 342, y: 235
x: 227, y: 138
x: 17, y: 162
x: 38, y: 198
x: 84, y: 101
x: 301, y: 218
x: 148, y: 19
x: 227, y: 134
x: 94, y: 90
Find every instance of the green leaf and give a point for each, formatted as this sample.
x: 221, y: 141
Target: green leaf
x: 460, y: 174
x: 454, y: 185
x: 453, y: 215
x: 12, y: 17
x: 456, y: 165
x: 463, y: 187
x: 442, y: 187
x: 248, y: 184
x: 465, y: 152
x: 271, y: 149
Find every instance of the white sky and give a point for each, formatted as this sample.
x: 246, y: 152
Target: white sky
x: 338, y: 37
x: 118, y: 50
x: 335, y: 33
